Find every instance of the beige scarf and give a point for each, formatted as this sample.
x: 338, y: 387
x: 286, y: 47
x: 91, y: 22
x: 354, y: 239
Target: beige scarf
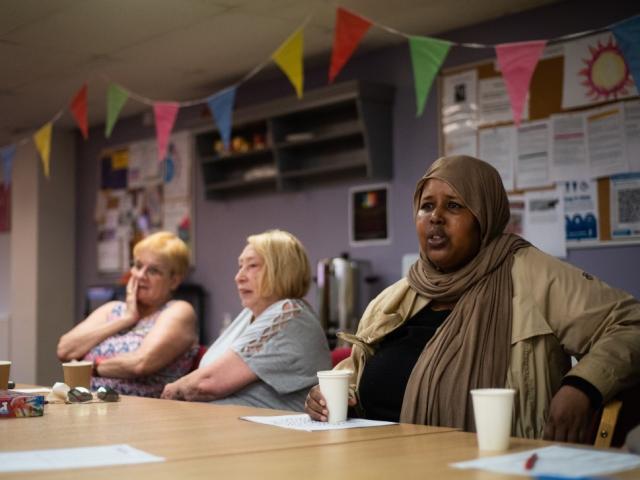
x: 471, y: 349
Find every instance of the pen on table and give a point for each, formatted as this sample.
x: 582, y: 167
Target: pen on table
x: 531, y: 461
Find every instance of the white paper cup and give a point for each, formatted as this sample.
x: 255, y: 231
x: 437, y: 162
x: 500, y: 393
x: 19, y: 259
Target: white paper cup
x: 77, y: 374
x: 334, y: 386
x: 5, y: 369
x: 493, y: 409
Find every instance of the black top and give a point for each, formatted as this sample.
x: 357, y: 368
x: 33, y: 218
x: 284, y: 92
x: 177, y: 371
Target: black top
x: 387, y: 372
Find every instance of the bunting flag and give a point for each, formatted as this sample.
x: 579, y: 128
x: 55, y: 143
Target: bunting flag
x: 42, y: 138
x: 427, y: 54
x: 221, y: 106
x: 116, y: 98
x: 289, y: 58
x: 627, y: 35
x: 349, y: 30
x: 79, y: 110
x: 165, y: 113
x: 517, y: 62
x: 7, y: 154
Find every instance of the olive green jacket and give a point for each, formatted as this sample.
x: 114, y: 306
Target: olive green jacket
x: 559, y: 311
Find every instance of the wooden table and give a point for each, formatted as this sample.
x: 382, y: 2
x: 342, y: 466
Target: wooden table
x: 208, y: 441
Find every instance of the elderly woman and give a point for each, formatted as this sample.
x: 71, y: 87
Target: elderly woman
x: 269, y: 355
x: 140, y: 345
x: 485, y: 309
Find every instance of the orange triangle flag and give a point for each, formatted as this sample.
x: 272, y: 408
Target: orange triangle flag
x: 350, y: 28
x: 79, y: 110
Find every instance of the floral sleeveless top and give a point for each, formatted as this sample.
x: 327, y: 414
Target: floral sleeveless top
x: 129, y: 340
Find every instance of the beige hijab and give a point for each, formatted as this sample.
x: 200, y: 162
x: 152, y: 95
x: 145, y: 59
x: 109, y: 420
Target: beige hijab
x: 471, y: 349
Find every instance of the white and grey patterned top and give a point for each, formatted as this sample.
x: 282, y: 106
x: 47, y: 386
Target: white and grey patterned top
x: 285, y: 347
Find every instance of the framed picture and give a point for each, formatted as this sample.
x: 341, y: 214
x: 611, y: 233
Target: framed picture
x: 369, y: 215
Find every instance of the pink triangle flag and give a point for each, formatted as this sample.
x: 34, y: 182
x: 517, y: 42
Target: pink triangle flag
x: 166, y: 113
x: 517, y: 61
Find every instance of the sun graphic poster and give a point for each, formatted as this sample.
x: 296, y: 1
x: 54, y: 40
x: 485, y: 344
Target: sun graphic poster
x: 595, y: 71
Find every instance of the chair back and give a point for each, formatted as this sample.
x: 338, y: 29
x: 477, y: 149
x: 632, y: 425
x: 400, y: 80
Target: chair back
x: 617, y: 418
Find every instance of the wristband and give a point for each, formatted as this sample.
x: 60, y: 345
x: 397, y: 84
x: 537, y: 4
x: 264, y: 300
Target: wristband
x: 96, y: 361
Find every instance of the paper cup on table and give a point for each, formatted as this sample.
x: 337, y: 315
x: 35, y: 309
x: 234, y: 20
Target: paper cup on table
x: 5, y: 369
x: 334, y: 386
x: 492, y: 408
x: 77, y: 374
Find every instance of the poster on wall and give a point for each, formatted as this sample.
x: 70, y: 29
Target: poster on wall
x: 140, y: 195
x: 581, y: 210
x: 594, y: 72
x: 625, y: 206
x: 459, y: 113
x: 369, y: 215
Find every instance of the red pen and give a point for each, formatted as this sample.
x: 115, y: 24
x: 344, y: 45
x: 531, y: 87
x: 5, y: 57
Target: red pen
x: 531, y: 461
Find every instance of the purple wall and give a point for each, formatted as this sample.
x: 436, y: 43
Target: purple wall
x: 318, y: 216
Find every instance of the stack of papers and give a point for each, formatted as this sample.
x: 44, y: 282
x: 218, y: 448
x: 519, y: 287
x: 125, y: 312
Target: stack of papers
x: 555, y: 461
x: 304, y: 422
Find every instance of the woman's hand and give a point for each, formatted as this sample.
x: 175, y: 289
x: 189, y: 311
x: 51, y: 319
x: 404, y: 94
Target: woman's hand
x: 132, y: 312
x: 172, y: 391
x: 316, y: 406
x: 570, y: 415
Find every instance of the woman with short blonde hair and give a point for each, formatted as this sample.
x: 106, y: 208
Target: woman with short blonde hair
x: 287, y: 273
x: 269, y: 355
x: 140, y: 345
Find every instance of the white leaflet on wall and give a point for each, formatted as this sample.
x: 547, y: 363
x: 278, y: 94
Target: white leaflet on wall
x: 625, y: 205
x: 109, y: 255
x: 461, y: 143
x: 177, y: 217
x: 99, y: 212
x: 144, y: 168
x: 532, y: 163
x: 177, y: 171
x: 497, y: 146
x: 494, y: 105
x: 595, y: 72
x: 459, y: 104
x: 632, y: 133
x: 581, y: 210
x: 544, y: 221
x: 517, y: 211
x: 568, y: 147
x: 605, y: 141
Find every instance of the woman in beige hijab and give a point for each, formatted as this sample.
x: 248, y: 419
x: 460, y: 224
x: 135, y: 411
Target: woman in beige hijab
x: 482, y: 308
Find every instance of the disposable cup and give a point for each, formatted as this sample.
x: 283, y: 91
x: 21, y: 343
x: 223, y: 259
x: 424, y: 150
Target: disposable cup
x: 334, y: 386
x: 493, y: 409
x: 5, y: 368
x: 77, y: 374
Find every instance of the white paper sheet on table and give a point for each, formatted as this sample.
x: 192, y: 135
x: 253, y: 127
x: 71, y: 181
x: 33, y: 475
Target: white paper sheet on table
x: 304, y: 422
x: 561, y: 462
x: 84, y: 457
x: 32, y: 390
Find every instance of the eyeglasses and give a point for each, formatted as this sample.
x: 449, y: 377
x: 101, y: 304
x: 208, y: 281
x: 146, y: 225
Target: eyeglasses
x: 83, y: 395
x: 151, y: 270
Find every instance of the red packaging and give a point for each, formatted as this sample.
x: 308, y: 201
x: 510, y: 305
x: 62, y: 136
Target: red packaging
x: 20, y: 405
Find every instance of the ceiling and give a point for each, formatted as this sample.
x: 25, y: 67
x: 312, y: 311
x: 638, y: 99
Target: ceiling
x: 179, y: 49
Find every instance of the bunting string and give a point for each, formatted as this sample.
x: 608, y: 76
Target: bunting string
x: 518, y: 59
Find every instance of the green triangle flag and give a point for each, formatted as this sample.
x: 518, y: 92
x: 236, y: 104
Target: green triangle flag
x: 116, y: 98
x: 427, y: 54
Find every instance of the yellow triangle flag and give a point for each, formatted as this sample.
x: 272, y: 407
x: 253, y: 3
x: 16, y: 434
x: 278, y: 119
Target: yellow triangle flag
x: 289, y: 58
x: 43, y: 143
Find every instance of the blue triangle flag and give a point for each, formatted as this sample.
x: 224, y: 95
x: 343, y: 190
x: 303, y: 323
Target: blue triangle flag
x: 7, y: 154
x: 627, y: 35
x: 221, y: 106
